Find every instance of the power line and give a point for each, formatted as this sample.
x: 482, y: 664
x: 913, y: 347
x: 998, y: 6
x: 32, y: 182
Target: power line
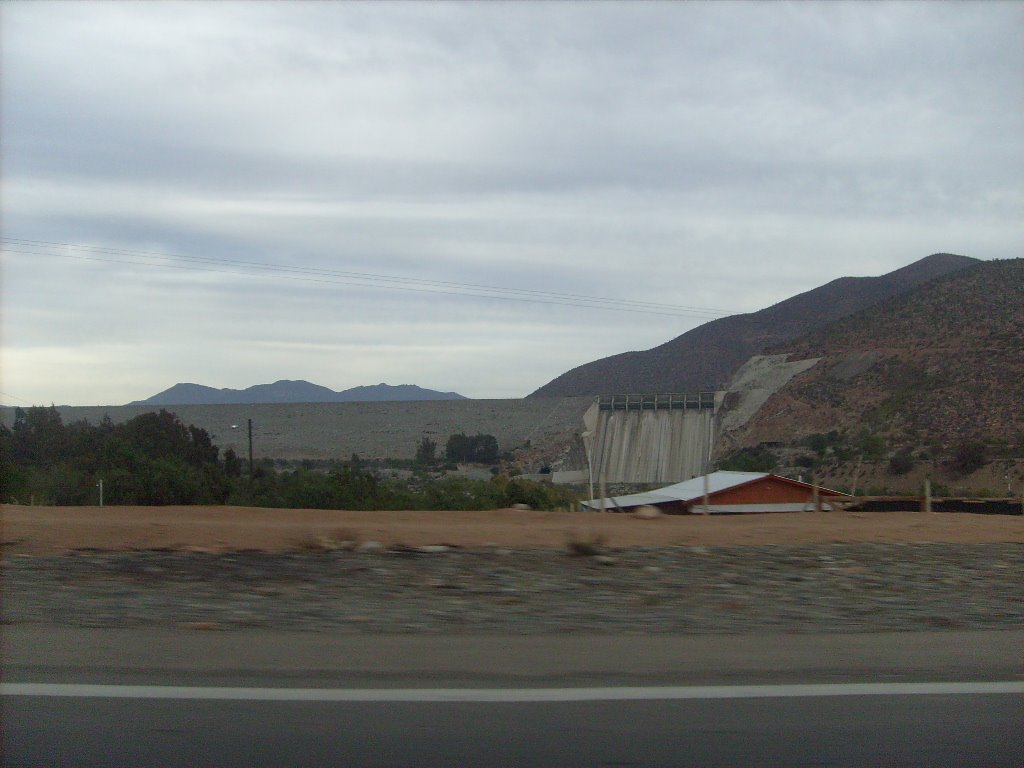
x: 369, y: 284
x: 15, y: 397
x: 342, y: 277
x: 361, y: 275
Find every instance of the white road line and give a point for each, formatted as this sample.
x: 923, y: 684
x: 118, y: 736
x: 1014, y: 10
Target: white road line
x: 509, y: 695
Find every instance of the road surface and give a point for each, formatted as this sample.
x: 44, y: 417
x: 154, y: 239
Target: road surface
x: 239, y: 698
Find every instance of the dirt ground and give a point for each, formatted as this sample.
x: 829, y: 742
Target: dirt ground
x: 42, y: 530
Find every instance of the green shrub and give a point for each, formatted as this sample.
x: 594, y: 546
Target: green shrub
x: 902, y: 462
x: 870, y: 445
x: 759, y: 459
x: 968, y: 456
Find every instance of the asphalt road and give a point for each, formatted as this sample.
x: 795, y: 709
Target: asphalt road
x: 843, y: 731
x: 673, y: 716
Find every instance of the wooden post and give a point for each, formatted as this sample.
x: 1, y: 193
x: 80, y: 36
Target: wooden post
x: 927, y: 507
x: 815, y: 494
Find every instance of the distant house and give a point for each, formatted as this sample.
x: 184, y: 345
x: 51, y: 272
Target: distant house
x: 727, y: 493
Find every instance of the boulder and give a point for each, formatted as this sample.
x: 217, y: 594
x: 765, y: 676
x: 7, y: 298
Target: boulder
x: 647, y: 512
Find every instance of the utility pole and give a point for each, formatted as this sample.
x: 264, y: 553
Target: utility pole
x: 707, y: 494
x: 100, y: 486
x: 250, y: 451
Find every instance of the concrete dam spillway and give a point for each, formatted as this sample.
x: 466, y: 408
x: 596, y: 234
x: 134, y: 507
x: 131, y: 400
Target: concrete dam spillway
x: 650, y: 438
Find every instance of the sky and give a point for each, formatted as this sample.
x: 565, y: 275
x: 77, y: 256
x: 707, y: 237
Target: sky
x: 471, y: 197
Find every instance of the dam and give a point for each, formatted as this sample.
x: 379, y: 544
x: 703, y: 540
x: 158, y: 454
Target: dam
x: 296, y: 431
x: 663, y: 438
x: 625, y: 438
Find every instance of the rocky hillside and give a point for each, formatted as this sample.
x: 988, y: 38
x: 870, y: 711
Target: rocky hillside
x: 938, y: 367
x: 706, y: 357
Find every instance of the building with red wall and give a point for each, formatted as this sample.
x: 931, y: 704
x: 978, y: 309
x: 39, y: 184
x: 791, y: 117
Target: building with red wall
x: 727, y: 493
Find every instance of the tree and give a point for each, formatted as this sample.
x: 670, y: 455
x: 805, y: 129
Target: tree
x: 426, y: 452
x: 479, y: 449
x: 969, y: 456
x: 232, y: 464
x: 39, y: 435
x: 150, y: 459
x: 8, y: 470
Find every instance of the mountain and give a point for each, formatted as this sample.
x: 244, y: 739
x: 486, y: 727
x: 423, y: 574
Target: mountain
x: 706, y: 356
x: 401, y: 392
x: 935, y: 367
x: 286, y: 391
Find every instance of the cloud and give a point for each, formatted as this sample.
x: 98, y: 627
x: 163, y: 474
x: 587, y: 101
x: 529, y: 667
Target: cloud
x: 704, y: 155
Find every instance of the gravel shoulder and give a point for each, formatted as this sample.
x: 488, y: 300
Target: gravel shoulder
x: 509, y: 572
x: 682, y: 590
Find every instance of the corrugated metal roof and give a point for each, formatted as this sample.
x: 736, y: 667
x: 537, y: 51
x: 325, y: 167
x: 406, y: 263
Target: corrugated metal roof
x: 688, y: 490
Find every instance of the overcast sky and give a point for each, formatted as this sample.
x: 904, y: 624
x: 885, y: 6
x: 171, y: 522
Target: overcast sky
x: 232, y: 194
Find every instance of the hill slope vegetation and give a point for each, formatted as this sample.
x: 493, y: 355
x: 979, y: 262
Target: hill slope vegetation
x: 941, y: 366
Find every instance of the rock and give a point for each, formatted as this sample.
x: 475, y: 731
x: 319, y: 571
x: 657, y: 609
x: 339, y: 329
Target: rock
x: 606, y: 559
x: 647, y: 512
x: 584, y: 548
x: 521, y: 506
x: 370, y: 546
x: 433, y: 549
x: 326, y: 544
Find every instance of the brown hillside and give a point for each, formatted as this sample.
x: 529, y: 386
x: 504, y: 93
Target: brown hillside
x: 942, y: 364
x: 706, y: 357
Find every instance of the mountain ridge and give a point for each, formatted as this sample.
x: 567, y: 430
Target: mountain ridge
x: 292, y: 391
x: 705, y: 357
